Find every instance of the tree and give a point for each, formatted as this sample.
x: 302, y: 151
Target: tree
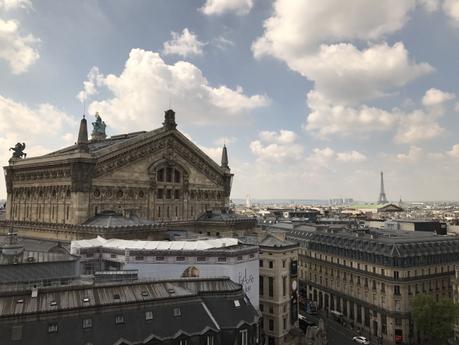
x: 434, y: 319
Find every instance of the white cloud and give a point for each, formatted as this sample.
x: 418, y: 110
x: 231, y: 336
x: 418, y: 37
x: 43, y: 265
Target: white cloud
x: 18, y: 50
x: 281, y: 137
x: 346, y: 74
x: 90, y: 86
x: 451, y: 8
x: 8, y: 5
x: 435, y: 97
x: 223, y: 43
x: 38, y: 127
x: 352, y: 156
x: 414, y: 154
x: 418, y: 126
x: 277, y: 147
x: 326, y: 119
x: 326, y: 157
x: 298, y: 27
x: 430, y: 5
x: 454, y: 152
x: 218, y: 7
x: 321, y: 157
x: 148, y: 85
x: 316, y: 39
x: 213, y: 152
x: 186, y: 44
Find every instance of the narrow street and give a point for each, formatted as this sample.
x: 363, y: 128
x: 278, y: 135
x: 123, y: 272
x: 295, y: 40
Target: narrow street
x: 336, y: 333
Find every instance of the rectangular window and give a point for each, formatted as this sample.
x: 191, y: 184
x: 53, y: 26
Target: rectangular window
x: 176, y: 194
x: 180, y: 258
x: 261, y: 282
x: 168, y: 193
x: 177, y: 312
x: 384, y: 324
x: 261, y: 263
x: 139, y: 257
x: 119, y: 319
x: 244, y: 336
x: 160, y: 175
x: 87, y: 323
x: 396, y: 290
x: 183, y: 342
x: 270, y: 286
x: 201, y: 258
x: 271, y: 324
x: 160, y: 258
x: 52, y: 327
x: 168, y: 174
x: 148, y: 315
x: 284, y: 286
x: 396, y: 275
x: 160, y: 193
x: 222, y: 259
x: 271, y: 264
x: 285, y: 323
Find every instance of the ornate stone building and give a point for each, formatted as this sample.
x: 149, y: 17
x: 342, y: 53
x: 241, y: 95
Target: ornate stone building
x: 158, y: 175
x: 368, y: 277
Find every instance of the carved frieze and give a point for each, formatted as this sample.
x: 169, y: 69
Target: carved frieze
x: 44, y: 174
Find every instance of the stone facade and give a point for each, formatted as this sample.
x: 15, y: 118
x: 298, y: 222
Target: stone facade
x: 158, y: 175
x: 278, y: 288
x: 370, y: 278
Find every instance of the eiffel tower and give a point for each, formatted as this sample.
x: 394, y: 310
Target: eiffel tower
x: 382, y: 195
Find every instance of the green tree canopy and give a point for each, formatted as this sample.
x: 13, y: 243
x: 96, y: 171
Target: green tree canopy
x: 434, y: 319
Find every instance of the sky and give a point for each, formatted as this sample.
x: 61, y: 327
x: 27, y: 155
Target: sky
x: 313, y: 98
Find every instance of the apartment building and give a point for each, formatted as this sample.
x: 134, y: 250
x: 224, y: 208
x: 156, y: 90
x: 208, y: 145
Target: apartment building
x: 370, y: 276
x: 278, y: 286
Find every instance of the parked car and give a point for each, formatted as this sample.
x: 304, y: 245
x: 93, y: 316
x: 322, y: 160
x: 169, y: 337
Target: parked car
x: 361, y: 340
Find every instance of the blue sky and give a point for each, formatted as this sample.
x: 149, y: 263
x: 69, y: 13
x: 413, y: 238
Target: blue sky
x: 312, y: 97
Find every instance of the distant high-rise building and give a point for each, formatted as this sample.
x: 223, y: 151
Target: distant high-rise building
x: 382, y: 195
x: 248, y: 202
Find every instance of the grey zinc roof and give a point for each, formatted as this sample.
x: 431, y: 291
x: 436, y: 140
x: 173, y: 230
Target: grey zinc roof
x: 383, y: 242
x: 95, y: 146
x: 274, y: 242
x: 33, y: 257
x: 77, y: 297
x: 33, y: 244
x: 112, y: 219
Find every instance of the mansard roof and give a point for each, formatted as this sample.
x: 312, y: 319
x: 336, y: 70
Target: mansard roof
x: 380, y: 242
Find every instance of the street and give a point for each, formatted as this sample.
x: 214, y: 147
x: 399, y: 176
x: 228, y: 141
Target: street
x: 336, y: 334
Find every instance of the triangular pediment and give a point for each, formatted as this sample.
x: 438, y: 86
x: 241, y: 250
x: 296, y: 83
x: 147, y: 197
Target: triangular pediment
x: 155, y: 146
